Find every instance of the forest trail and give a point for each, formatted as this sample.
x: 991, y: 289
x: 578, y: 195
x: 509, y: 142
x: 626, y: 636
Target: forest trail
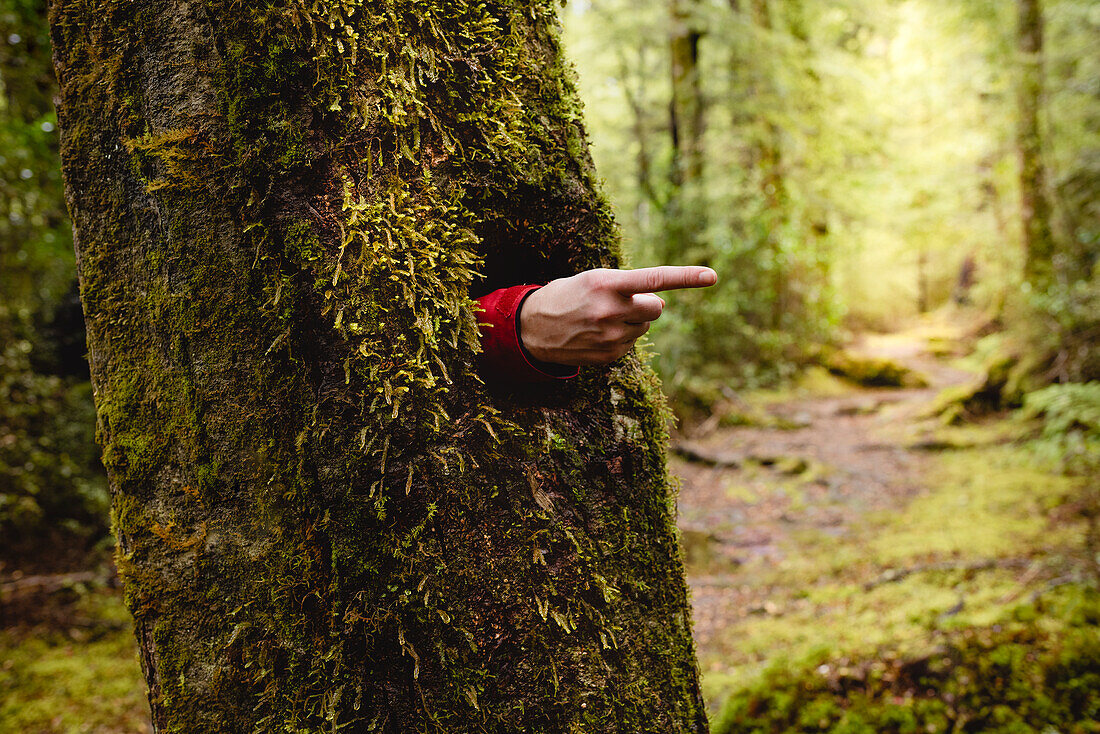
x: 834, y: 454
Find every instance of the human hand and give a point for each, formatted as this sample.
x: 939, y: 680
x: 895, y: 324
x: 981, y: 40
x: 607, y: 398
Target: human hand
x: 595, y: 317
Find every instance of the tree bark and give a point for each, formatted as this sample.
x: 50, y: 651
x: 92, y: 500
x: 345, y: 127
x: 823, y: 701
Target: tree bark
x: 325, y: 520
x: 685, y: 214
x: 687, y: 95
x: 763, y: 156
x: 1035, y: 209
x: 769, y: 161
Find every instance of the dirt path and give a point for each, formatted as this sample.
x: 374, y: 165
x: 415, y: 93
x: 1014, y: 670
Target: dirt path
x: 840, y: 456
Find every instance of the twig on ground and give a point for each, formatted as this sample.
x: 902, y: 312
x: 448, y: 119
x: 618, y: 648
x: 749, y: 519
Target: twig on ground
x: 899, y: 574
x: 726, y: 459
x: 48, y: 584
x: 1053, y: 584
x: 702, y: 456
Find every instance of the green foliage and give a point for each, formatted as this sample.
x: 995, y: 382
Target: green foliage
x: 1073, y: 107
x: 1050, y: 337
x: 36, y: 257
x: 50, y: 477
x: 1036, y: 670
x: 1072, y: 408
x: 754, y: 216
x: 858, y: 155
x: 1071, y: 425
x: 1059, y: 329
x: 1055, y: 323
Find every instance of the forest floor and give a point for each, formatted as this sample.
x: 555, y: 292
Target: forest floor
x: 845, y: 522
x: 836, y: 521
x: 750, y: 494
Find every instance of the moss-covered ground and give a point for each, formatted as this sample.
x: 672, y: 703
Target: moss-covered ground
x: 867, y: 569
x: 69, y: 664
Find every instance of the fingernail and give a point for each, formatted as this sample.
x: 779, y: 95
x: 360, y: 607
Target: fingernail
x: 708, y: 277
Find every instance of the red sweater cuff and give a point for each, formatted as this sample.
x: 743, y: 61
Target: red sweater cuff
x: 502, y: 354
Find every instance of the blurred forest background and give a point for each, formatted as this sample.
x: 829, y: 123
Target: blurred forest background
x: 902, y: 198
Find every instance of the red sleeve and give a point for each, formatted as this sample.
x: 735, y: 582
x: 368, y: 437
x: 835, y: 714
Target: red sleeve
x: 502, y: 354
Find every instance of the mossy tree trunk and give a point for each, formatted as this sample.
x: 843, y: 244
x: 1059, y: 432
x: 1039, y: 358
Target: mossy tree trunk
x: 685, y: 212
x: 767, y: 160
x: 687, y: 96
x: 1035, y: 209
x: 325, y: 520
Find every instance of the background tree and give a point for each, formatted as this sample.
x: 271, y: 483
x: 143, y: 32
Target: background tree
x: 1035, y: 211
x: 857, y: 155
x: 324, y: 518
x: 1058, y: 323
x: 741, y: 212
x: 686, y: 209
x: 52, y: 489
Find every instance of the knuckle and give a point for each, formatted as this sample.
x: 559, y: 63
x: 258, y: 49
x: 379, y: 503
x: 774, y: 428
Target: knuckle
x: 595, y: 320
x: 605, y: 312
x: 653, y: 280
x: 595, y: 279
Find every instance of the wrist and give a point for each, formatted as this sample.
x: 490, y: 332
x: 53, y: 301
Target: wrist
x: 528, y: 317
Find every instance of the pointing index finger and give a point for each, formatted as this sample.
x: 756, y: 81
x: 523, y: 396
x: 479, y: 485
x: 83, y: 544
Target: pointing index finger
x: 662, y: 278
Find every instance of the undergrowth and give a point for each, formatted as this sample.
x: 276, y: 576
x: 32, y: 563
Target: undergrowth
x: 1071, y: 425
x: 974, y: 608
x: 79, y: 678
x: 1036, y: 670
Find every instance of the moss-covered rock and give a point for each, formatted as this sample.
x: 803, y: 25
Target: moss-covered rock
x: 1004, y: 380
x: 870, y: 371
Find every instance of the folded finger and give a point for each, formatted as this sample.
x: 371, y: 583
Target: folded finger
x: 644, y: 307
x: 632, y: 331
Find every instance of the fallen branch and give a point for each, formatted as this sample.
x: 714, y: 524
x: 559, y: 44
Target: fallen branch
x: 899, y: 574
x: 937, y: 444
x: 933, y: 444
x: 1052, y: 585
x: 48, y: 584
x: 702, y: 456
x: 95, y: 625
x: 729, y: 459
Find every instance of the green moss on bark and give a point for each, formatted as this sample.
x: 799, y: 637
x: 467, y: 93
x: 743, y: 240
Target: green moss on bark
x: 326, y: 520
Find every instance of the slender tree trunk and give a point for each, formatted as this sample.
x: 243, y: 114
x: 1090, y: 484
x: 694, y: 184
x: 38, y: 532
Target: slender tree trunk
x: 687, y: 96
x: 768, y: 162
x: 685, y: 212
x: 325, y: 520
x: 1035, y: 209
x: 768, y: 156
x: 635, y: 94
x: 922, y: 277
